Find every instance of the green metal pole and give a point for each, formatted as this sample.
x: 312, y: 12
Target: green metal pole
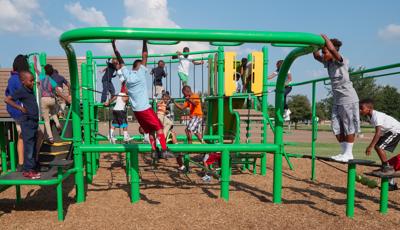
x: 135, y: 180
x: 279, y: 104
x: 60, y: 210
x: 13, y: 169
x: 225, y: 172
x: 211, y: 77
x: 264, y: 109
x: 314, y: 129
x: 221, y: 94
x: 86, y: 127
x: 3, y: 150
x: 383, y: 208
x: 90, y: 109
x: 76, y: 122
x: 351, y: 189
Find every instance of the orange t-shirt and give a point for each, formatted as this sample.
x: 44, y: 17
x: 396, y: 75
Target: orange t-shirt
x: 195, y: 110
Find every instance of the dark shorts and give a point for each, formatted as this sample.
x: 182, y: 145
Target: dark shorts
x: 119, y: 119
x: 388, y: 141
x: 148, y: 120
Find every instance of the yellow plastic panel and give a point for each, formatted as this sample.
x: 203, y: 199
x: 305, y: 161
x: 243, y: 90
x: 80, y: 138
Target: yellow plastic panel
x: 257, y: 73
x: 230, y: 71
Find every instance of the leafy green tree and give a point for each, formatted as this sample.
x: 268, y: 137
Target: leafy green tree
x: 300, y: 107
x: 387, y: 100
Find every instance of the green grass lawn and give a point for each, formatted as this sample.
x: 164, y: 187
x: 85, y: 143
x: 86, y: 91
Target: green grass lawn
x: 323, y: 127
x: 330, y: 149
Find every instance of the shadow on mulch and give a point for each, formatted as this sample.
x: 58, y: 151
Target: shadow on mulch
x: 44, y: 198
x: 343, y: 190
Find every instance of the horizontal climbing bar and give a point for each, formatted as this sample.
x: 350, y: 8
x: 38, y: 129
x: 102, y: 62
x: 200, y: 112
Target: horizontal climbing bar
x: 158, y: 55
x: 189, y: 148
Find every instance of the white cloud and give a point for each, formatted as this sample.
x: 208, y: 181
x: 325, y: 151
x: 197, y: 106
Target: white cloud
x: 24, y: 17
x: 90, y: 16
x: 154, y: 14
x: 390, y: 32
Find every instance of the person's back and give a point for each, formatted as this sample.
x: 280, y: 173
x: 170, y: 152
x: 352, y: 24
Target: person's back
x: 342, y: 87
x: 386, y: 122
x: 120, y: 103
x: 137, y: 88
x: 14, y: 83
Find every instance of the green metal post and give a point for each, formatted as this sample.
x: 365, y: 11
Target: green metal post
x: 264, y: 109
x: 76, y: 122
x: 60, y: 210
x: 221, y: 94
x: 86, y: 127
x: 3, y: 150
x: 225, y: 172
x: 279, y: 104
x: 211, y: 77
x: 383, y: 208
x: 135, y: 180
x: 13, y: 169
x: 211, y: 93
x: 314, y: 129
x: 351, y: 189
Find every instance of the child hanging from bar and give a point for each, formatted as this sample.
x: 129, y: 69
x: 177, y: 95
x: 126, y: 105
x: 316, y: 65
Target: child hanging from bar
x: 168, y: 124
x: 192, y: 102
x: 184, y: 63
x: 139, y: 98
x: 345, y: 111
x: 119, y: 114
x: 158, y: 74
x: 387, y: 137
x: 106, y: 80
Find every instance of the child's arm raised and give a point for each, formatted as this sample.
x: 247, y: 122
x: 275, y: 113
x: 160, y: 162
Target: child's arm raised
x: 375, y: 140
x: 145, y: 53
x: 118, y: 56
x: 332, y: 48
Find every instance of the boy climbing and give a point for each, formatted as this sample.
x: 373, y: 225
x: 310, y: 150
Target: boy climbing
x: 183, y: 67
x: 345, y: 111
x: 158, y: 74
x: 106, y: 80
x: 387, y: 135
x: 192, y: 102
x: 137, y: 91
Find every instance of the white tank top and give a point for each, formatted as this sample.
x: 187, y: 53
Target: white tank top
x: 119, y: 103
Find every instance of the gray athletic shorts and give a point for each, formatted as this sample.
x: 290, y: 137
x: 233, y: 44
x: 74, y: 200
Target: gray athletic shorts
x: 346, y: 119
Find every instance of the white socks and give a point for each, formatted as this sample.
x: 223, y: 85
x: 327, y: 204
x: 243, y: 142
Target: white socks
x: 111, y: 132
x: 348, y: 149
x: 126, y: 134
x: 343, y: 146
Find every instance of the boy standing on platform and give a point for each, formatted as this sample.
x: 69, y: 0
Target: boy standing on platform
x: 345, y: 111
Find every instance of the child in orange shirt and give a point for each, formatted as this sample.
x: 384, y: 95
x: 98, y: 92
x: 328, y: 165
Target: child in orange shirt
x: 192, y: 102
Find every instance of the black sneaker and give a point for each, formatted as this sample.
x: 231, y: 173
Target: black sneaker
x: 393, y: 187
x: 385, y: 170
x: 20, y: 168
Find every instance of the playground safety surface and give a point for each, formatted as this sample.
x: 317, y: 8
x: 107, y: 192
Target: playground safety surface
x: 171, y: 200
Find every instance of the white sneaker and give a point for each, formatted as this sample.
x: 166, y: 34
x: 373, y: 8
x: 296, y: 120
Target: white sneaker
x: 206, y: 178
x: 336, y: 157
x: 345, y: 158
x: 182, y: 168
x: 112, y: 139
x: 127, y: 138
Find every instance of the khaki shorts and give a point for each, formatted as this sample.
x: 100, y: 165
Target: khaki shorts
x: 159, y: 90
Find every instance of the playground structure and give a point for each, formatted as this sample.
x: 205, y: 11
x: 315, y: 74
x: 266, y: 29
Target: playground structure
x: 222, y: 99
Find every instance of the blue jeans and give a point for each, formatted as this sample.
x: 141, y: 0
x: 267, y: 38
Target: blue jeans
x: 29, y: 128
x: 107, y: 87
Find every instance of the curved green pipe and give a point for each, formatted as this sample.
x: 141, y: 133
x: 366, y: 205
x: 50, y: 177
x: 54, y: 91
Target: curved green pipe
x: 226, y: 43
x: 151, y: 42
x: 287, y: 45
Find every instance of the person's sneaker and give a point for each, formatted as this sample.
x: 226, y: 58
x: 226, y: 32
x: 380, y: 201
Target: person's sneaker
x: 127, y: 138
x: 50, y: 141
x: 182, y: 168
x: 167, y: 154
x: 112, y: 139
x: 31, y: 175
x: 393, y: 187
x: 337, y: 156
x: 206, y: 178
x: 385, y: 170
x: 20, y: 168
x: 344, y: 158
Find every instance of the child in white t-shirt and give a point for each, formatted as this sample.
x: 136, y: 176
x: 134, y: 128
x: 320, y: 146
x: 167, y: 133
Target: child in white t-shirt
x: 387, y: 135
x: 184, y: 63
x: 119, y: 114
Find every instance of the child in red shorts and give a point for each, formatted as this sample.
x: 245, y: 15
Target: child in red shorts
x: 136, y: 83
x: 209, y: 159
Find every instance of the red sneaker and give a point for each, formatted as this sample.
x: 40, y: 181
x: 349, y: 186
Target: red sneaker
x: 31, y: 175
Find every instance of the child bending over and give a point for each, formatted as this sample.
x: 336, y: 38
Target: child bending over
x: 119, y: 114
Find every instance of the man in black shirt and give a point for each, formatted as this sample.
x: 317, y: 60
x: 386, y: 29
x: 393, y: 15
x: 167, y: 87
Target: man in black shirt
x: 158, y: 73
x: 29, y: 122
x: 107, y: 79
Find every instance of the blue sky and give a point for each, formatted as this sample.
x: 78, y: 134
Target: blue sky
x: 370, y: 30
